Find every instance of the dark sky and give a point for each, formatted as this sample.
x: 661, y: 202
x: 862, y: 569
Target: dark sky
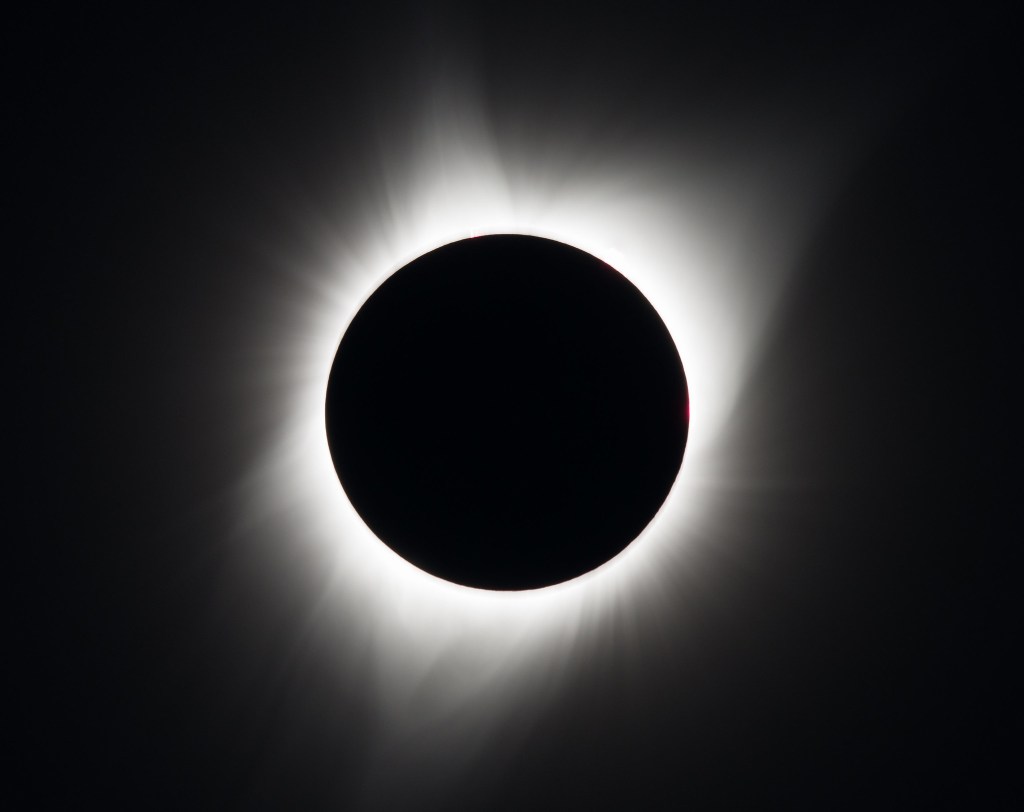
x: 846, y: 639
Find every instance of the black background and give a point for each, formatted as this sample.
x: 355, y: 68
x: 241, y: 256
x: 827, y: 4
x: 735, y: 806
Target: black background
x: 852, y: 649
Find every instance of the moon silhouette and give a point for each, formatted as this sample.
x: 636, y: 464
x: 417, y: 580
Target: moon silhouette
x: 507, y: 412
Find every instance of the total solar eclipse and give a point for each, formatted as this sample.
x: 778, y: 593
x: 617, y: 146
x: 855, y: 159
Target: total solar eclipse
x: 507, y: 412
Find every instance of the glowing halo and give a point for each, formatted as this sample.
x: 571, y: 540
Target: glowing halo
x: 710, y: 256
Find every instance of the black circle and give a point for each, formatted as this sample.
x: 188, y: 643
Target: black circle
x: 507, y: 412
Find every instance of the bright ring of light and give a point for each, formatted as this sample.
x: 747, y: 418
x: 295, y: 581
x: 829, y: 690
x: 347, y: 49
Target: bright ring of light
x: 668, y: 240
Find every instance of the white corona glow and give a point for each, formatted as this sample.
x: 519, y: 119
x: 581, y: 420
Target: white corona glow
x: 712, y: 256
